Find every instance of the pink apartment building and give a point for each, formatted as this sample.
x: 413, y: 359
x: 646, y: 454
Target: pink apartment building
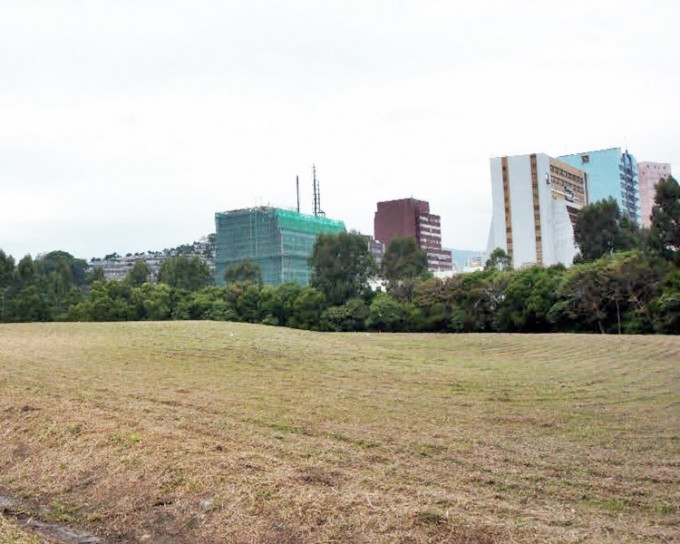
x: 649, y: 174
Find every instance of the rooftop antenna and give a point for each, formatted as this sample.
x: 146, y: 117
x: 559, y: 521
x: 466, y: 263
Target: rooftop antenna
x: 297, y: 190
x: 317, y: 195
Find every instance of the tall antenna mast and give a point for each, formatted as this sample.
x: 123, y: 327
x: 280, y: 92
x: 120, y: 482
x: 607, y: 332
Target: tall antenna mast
x: 317, y: 194
x: 297, y: 190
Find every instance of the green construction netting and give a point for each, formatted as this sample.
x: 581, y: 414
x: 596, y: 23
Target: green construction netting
x: 280, y: 241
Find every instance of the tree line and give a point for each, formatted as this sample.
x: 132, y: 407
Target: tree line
x: 624, y: 280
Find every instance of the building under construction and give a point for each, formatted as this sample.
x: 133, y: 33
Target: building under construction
x: 279, y: 241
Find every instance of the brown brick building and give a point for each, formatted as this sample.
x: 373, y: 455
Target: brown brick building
x: 411, y: 217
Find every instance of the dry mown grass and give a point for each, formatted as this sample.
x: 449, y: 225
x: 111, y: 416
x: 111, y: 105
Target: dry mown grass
x: 224, y: 432
x: 11, y: 532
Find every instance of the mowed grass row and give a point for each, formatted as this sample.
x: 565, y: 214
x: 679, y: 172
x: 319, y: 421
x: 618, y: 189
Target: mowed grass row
x: 226, y: 432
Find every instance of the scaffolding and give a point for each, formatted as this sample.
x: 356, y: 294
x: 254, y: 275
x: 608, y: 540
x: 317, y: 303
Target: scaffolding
x: 279, y: 241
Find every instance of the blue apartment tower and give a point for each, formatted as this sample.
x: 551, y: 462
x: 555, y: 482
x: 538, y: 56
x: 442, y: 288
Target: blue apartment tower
x: 611, y: 173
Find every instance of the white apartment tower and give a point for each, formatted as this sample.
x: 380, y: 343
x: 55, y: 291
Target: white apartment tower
x: 535, y: 201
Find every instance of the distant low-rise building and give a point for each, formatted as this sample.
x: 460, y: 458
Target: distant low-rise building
x: 465, y: 259
x: 375, y: 248
x: 116, y: 267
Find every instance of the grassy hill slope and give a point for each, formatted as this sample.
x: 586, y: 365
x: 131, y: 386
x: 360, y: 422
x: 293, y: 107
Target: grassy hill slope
x: 224, y: 432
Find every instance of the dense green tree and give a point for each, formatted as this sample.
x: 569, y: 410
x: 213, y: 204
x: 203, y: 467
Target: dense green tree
x: 28, y: 272
x: 153, y: 302
x: 106, y: 301
x: 434, y: 301
x: 276, y: 302
x: 636, y: 280
x: 498, y: 260
x: 583, y: 300
x: 476, y: 297
x: 183, y: 272
x: 138, y: 274
x: 527, y: 299
x: 612, y: 294
x: 624, y: 292
x: 665, y: 231
x: 6, y: 275
x: 220, y: 310
x: 28, y: 297
x: 30, y: 304
x: 74, y: 297
x: 665, y: 308
x: 403, y: 259
x: 77, y: 267
x: 95, y: 274
x: 349, y: 317
x: 386, y: 314
x: 307, y: 309
x: 60, y: 281
x: 248, y: 303
x: 404, y: 290
x: 6, y: 268
x: 601, y: 229
x: 341, y: 266
x: 209, y: 251
x: 208, y: 303
x: 245, y: 271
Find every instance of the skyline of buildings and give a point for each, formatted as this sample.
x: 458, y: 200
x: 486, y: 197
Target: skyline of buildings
x: 535, y: 199
x: 533, y: 195
x: 535, y: 234
x: 281, y: 241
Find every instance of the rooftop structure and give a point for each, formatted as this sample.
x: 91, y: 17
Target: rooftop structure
x: 411, y: 217
x: 611, y: 173
x: 649, y: 174
x: 279, y: 241
x: 535, y: 201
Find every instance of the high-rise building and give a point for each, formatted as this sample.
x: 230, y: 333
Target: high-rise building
x: 412, y: 217
x: 611, y: 173
x: 279, y: 241
x: 535, y: 201
x: 649, y: 174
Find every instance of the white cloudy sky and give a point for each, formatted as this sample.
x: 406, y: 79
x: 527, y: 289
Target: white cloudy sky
x: 125, y: 125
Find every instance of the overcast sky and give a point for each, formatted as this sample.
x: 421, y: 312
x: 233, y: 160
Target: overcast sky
x: 125, y: 125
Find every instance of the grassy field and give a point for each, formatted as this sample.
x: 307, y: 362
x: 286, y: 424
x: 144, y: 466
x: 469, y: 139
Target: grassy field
x: 185, y: 432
